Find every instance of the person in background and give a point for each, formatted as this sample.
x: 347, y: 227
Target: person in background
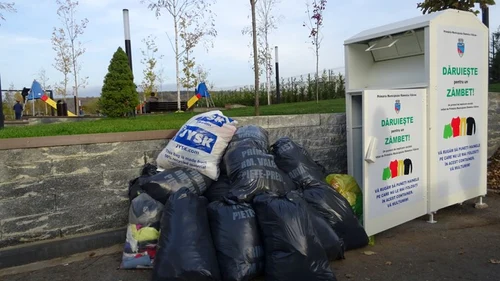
x: 18, y: 109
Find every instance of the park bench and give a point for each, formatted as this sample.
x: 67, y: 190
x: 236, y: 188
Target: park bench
x: 164, y: 106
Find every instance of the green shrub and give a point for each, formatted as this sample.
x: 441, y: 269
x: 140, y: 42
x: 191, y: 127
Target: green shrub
x: 119, y: 94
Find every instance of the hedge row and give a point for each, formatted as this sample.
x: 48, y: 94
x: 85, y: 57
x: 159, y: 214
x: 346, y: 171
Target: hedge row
x: 330, y: 86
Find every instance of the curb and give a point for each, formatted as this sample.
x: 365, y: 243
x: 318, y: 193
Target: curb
x: 57, y: 248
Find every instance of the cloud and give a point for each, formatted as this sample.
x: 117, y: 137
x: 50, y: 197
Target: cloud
x: 16, y: 39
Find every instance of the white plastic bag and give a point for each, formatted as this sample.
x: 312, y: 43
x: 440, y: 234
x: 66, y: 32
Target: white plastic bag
x: 199, y: 144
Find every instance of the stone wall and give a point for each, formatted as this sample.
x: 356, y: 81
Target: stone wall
x: 493, y: 123
x: 56, y: 191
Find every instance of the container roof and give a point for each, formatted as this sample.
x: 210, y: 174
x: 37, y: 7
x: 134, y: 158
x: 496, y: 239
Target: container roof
x: 397, y: 27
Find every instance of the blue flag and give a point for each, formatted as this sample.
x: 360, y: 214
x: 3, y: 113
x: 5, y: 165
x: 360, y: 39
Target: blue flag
x: 202, y: 90
x: 36, y: 91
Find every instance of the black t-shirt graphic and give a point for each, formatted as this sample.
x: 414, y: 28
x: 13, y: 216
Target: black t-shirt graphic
x: 471, y: 124
x: 408, y: 166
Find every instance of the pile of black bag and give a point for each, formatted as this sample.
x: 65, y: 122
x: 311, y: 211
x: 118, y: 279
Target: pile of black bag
x: 270, y: 213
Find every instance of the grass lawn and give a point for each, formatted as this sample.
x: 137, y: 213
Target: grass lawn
x: 495, y: 88
x: 162, y: 121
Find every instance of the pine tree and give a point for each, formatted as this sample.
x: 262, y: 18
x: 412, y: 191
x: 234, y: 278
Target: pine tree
x: 119, y: 94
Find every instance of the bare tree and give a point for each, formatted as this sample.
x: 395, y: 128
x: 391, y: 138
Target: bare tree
x: 201, y: 74
x: 150, y: 61
x: 314, y: 25
x: 189, y: 40
x: 62, y: 60
x: 8, y: 7
x: 192, y: 31
x: 266, y: 23
x: 42, y: 77
x: 161, y: 79
x: 255, y: 57
x: 178, y: 9
x: 44, y: 80
x: 73, y: 29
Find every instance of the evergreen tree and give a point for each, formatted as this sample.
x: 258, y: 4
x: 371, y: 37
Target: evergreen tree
x: 430, y: 6
x: 119, y: 94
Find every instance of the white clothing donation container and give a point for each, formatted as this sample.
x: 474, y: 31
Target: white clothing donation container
x: 416, y: 106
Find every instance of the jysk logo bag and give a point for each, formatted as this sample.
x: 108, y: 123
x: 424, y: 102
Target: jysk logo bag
x: 214, y: 119
x: 197, y: 138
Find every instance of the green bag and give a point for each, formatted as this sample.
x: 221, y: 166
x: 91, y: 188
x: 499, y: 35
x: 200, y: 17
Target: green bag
x: 347, y: 186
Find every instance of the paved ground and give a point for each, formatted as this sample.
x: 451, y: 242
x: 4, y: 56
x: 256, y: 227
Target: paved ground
x: 461, y: 246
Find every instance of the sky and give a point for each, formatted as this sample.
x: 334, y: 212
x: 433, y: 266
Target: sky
x: 25, y: 46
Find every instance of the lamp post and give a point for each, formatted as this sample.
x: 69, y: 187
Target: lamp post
x: 1, y: 106
x: 277, y: 75
x: 128, y: 46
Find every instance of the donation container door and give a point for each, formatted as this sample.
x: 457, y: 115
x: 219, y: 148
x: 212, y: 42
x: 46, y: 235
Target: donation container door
x: 395, y: 170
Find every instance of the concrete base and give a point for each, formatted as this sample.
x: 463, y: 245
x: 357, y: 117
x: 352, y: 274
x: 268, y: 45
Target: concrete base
x: 57, y: 248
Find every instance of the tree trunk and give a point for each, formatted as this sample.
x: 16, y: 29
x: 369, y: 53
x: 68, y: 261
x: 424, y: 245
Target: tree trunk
x: 255, y: 57
x: 188, y: 77
x: 177, y: 74
x: 317, y: 72
x: 75, y: 76
x: 268, y: 72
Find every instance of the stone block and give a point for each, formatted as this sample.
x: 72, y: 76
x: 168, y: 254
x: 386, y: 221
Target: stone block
x: 62, y: 152
x: 333, y: 153
x: 91, y: 197
x: 119, y: 179
x: 22, y: 172
x: 106, y: 216
x: 318, y: 143
x: 14, y: 239
x: 329, y: 119
x: 65, y: 222
x: 262, y: 121
x: 140, y: 146
x: 31, y: 204
x: 275, y: 134
x: 51, y: 185
x: 99, y: 148
x: 152, y: 155
x: 99, y: 163
x: 22, y: 156
x: 304, y: 120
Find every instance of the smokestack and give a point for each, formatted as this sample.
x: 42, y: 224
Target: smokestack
x: 128, y: 46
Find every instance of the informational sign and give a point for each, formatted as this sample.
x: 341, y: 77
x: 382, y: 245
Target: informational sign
x: 460, y: 115
x: 394, y: 136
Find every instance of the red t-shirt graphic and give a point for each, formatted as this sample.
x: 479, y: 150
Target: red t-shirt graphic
x: 394, y: 168
x: 455, y: 125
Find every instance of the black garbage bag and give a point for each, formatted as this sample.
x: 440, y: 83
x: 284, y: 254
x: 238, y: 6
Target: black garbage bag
x: 134, y: 186
x: 333, y: 245
x: 163, y: 184
x: 296, y: 161
x: 293, y: 250
x: 337, y: 212
x: 185, y: 250
x: 252, y: 171
x: 218, y: 189
x: 149, y: 170
x: 236, y: 236
x: 258, y: 134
